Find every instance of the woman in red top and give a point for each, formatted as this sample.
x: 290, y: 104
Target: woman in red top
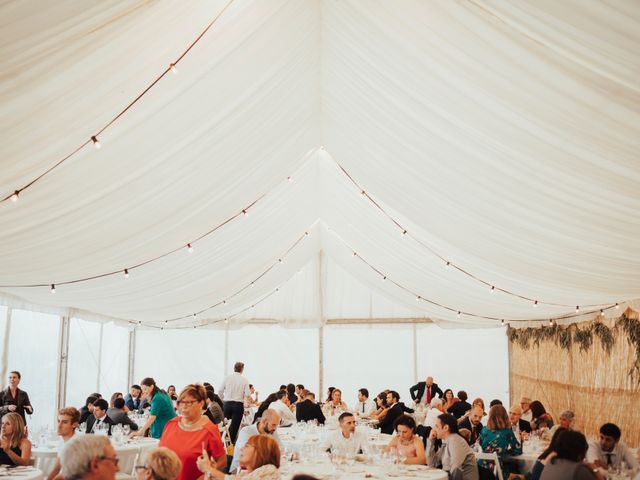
x: 191, y: 432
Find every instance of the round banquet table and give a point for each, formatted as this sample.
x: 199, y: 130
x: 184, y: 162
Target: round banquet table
x: 45, y: 457
x: 21, y: 473
x: 325, y: 469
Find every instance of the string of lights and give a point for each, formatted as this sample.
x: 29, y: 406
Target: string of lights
x: 95, y: 138
x: 447, y: 263
x: 463, y: 313
x: 227, y: 299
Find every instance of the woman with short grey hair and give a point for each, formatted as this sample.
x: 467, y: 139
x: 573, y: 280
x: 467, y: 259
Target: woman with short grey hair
x: 159, y: 464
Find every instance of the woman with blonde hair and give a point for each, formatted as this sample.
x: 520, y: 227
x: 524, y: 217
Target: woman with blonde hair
x: 159, y: 464
x: 15, y: 448
x: 259, y: 460
x: 498, y: 437
x: 192, y: 433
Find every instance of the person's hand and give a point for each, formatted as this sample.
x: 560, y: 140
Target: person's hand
x: 203, y: 462
x: 12, y: 408
x: 136, y: 433
x: 432, y: 434
x: 600, y: 464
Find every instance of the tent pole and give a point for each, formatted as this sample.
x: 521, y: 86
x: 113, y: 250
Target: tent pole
x: 226, y: 350
x: 99, y: 358
x: 63, y: 363
x: 320, y: 363
x: 321, y: 310
x: 4, y: 363
x: 132, y: 357
x: 415, y: 354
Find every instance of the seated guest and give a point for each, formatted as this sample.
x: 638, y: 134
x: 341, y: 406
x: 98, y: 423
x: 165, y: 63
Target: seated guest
x: 525, y: 404
x: 99, y: 417
x: 406, y: 442
x: 498, y: 437
x: 569, y: 461
x: 214, y: 411
x: 15, y: 447
x: 119, y: 415
x: 541, y: 419
x: 87, y: 409
x: 283, y: 407
x: 191, y: 433
x: 329, y: 394
x: 132, y: 399
x: 89, y: 457
x: 365, y: 406
x: 291, y: 393
x: 520, y: 428
x: 495, y: 401
x: 259, y: 460
x: 299, y: 388
x: 171, y: 391
x: 158, y: 464
x: 396, y: 408
x: 381, y: 406
x: 307, y: 410
x: 566, y: 420
x: 252, y: 398
x: 336, y: 406
x: 424, y: 392
x: 459, y: 408
x: 547, y: 455
x: 449, y: 399
x: 268, y: 425
x: 68, y: 421
x: 473, y: 423
x: 455, y: 456
x: 609, y: 451
x: 161, y: 409
x: 345, y: 439
x: 113, y: 398
x: 266, y: 403
x: 437, y: 409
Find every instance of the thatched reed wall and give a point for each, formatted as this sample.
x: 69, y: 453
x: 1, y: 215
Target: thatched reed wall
x: 599, y: 387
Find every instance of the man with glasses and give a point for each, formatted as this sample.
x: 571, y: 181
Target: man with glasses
x: 89, y: 457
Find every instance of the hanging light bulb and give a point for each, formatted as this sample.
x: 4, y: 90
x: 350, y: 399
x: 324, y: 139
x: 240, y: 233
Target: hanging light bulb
x: 458, y: 314
x: 447, y: 265
x: 14, y: 197
x: 226, y: 320
x: 577, y: 308
x: 493, y: 289
x: 306, y: 234
x: 617, y: 307
x: 363, y: 193
x: 277, y: 290
x: 404, y: 232
x: 601, y: 312
x: 551, y: 322
x: 535, y: 303
x: 289, y: 179
x: 244, y: 212
x: 126, y: 273
x: 172, y: 67
x: 251, y: 284
x: 194, y: 315
x: 96, y: 142
x: 418, y: 298
x: 355, y: 254
x: 53, y: 288
x: 189, y: 248
x: 279, y: 260
x: 224, y: 302
x: 384, y: 277
x: 502, y: 322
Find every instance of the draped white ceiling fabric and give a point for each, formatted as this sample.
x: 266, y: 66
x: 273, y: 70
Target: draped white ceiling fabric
x: 503, y: 136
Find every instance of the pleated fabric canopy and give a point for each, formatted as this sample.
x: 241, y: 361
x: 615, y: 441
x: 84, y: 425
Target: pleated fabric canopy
x: 303, y: 161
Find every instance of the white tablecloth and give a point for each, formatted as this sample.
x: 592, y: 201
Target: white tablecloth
x: 21, y: 473
x: 360, y: 470
x: 45, y: 457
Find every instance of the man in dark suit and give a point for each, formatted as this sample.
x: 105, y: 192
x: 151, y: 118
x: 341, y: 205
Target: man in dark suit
x: 473, y: 423
x: 307, y: 409
x: 119, y: 416
x: 458, y: 409
x: 99, y: 416
x: 396, y: 408
x: 517, y: 424
x: 424, y: 392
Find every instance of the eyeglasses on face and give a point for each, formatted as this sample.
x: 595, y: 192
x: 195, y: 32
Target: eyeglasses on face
x: 140, y: 467
x: 186, y: 403
x: 115, y: 460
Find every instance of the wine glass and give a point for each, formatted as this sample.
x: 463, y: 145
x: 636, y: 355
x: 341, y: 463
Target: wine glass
x: 126, y: 429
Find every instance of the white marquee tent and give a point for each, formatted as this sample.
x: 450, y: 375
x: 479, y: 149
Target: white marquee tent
x: 342, y: 167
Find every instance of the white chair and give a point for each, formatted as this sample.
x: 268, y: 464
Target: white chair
x: 491, y: 457
x: 224, y: 434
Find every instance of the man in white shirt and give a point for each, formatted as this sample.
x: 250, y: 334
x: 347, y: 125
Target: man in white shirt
x: 346, y: 440
x: 437, y: 409
x: 283, y: 407
x: 365, y: 406
x: 609, y: 451
x: 68, y: 420
x: 455, y: 456
x: 267, y: 425
x: 527, y: 416
x: 234, y: 390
